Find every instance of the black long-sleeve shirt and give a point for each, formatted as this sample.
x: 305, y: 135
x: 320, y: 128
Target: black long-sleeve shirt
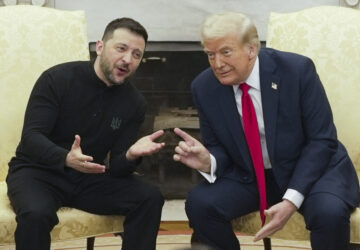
x: 70, y: 99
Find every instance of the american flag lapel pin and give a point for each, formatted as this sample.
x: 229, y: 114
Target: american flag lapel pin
x: 274, y: 85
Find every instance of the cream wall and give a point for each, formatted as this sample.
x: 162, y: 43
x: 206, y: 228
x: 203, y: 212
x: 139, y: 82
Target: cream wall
x: 179, y: 20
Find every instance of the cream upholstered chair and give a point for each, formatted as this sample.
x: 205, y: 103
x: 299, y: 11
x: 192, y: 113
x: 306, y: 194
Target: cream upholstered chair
x: 330, y: 36
x: 33, y: 39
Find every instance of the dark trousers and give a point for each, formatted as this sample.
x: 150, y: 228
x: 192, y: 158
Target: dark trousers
x: 211, y: 207
x: 37, y: 194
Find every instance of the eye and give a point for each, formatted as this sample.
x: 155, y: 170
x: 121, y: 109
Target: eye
x: 227, y: 52
x: 210, y: 55
x: 121, y: 48
x: 137, y: 54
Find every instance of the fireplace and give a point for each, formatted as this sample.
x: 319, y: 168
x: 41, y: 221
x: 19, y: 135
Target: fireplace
x: 164, y: 78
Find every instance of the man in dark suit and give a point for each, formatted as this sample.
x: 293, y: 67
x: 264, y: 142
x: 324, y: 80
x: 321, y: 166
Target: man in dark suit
x: 303, y: 166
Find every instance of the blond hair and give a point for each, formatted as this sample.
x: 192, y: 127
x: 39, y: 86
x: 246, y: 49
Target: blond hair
x: 219, y: 25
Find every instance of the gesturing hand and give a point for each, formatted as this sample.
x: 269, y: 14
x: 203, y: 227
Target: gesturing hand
x: 280, y: 213
x: 145, y: 146
x: 77, y: 160
x: 191, y: 152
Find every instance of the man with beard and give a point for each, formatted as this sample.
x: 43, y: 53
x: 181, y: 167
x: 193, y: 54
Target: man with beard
x: 78, y: 145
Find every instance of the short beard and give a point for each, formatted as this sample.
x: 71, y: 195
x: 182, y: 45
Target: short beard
x: 107, y: 72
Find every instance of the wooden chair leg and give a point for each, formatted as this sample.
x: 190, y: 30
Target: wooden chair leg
x: 194, y: 240
x: 354, y: 246
x: 119, y: 234
x: 267, y: 243
x: 90, y: 243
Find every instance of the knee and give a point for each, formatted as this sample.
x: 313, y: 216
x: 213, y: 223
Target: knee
x: 37, y: 215
x: 198, y: 205
x: 154, y: 197
x: 331, y: 217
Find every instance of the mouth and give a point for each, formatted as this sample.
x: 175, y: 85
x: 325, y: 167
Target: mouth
x: 122, y: 70
x: 224, y: 73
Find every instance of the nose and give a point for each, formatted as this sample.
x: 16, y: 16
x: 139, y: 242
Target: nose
x: 218, y: 63
x: 127, y: 57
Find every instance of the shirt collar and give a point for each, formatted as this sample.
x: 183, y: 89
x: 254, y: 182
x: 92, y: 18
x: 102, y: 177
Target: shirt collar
x: 253, y: 79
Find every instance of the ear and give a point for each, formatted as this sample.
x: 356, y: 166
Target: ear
x: 252, y: 50
x: 99, y: 47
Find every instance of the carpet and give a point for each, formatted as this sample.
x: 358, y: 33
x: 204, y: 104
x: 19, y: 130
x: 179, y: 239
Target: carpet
x: 173, y: 235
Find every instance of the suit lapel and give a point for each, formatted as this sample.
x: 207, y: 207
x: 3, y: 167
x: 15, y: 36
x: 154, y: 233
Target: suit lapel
x: 270, y: 87
x: 232, y: 120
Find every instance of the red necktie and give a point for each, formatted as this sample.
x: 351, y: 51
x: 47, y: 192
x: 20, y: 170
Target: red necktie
x: 252, y: 135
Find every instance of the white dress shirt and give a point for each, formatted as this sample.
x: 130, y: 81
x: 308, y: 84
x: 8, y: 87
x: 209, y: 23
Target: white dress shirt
x: 254, y: 82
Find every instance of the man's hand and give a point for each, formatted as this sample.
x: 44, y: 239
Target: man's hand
x: 77, y: 160
x: 280, y: 214
x: 145, y: 146
x: 192, y: 153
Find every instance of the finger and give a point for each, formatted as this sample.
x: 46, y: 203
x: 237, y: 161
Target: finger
x: 86, y: 158
x: 161, y: 144
x: 258, y: 235
x: 263, y: 232
x: 176, y: 157
x: 179, y: 151
x: 154, y: 148
x: 269, y: 212
x: 188, y: 138
x: 181, y: 159
x: 76, y: 143
x: 151, y: 148
x: 91, y: 167
x: 185, y: 147
x: 92, y: 171
x: 198, y: 149
x: 266, y: 231
x: 156, y: 134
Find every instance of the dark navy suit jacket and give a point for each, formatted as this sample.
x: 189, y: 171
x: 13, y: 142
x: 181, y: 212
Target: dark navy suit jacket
x: 302, y: 143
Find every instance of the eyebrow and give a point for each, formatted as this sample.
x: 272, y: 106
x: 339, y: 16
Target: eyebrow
x: 225, y: 47
x: 221, y: 49
x: 207, y: 51
x: 120, y: 43
x: 135, y: 49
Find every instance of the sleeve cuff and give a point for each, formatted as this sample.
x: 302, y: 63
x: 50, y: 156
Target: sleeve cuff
x: 121, y: 166
x: 294, y: 196
x: 212, y: 176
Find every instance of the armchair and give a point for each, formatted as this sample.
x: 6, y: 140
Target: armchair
x: 330, y: 36
x: 33, y: 39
